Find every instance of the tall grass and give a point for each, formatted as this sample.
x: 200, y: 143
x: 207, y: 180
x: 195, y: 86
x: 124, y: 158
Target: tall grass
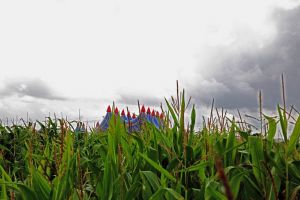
x: 220, y: 161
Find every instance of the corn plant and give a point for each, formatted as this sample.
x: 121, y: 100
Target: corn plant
x: 222, y: 160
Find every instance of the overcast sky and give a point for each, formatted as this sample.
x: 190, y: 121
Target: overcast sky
x: 61, y: 56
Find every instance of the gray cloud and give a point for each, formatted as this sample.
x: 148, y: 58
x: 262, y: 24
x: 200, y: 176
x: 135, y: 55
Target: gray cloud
x: 146, y: 100
x: 34, y: 88
x: 33, y: 97
x: 235, y: 75
x: 13, y: 107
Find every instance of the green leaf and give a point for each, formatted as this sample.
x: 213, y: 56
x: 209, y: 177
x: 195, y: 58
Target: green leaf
x: 235, y: 183
x: 294, y: 137
x: 211, y: 191
x: 5, y: 176
x: 277, y: 182
x: 108, y: 179
x: 133, y: 190
x: 196, y: 167
x: 3, y: 190
x: 234, y: 147
x: 172, y: 113
x: 146, y: 188
x: 253, y: 186
x: 40, y: 185
x: 158, y: 167
x: 152, y: 179
x: 162, y: 191
x: 256, y: 151
x: 283, y: 123
x: 272, y: 128
x: 27, y: 193
x: 230, y: 143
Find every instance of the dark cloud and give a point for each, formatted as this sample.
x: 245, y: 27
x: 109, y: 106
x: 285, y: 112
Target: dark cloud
x: 238, y: 74
x: 34, y: 88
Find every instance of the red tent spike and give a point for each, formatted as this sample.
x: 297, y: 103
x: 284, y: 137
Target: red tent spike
x: 157, y: 114
x: 123, y: 113
x: 108, y: 109
x: 153, y: 113
x: 148, y: 111
x: 162, y: 116
x: 116, y: 111
x: 133, y: 116
x: 143, y: 110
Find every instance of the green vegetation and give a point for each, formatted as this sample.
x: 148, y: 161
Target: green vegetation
x: 221, y: 161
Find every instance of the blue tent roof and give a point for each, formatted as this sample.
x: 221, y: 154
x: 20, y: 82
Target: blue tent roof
x: 132, y: 124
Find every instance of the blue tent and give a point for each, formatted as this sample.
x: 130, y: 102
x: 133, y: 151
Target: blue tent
x: 133, y: 123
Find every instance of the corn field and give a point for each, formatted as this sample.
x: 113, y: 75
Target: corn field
x: 222, y: 160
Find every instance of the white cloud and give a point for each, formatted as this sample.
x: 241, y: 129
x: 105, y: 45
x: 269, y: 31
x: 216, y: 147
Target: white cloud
x: 95, y: 49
